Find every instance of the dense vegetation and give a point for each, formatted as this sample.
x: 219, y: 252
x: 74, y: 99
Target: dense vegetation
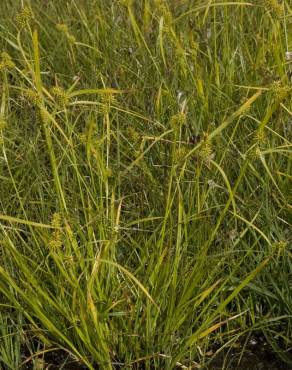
x: 145, y: 172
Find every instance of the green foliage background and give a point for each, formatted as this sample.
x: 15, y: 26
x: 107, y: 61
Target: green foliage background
x: 145, y: 175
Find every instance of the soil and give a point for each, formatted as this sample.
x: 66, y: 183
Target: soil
x: 258, y: 355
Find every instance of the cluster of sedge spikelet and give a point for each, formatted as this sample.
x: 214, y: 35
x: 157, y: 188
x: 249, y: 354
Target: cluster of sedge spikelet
x: 259, y: 140
x: 163, y: 8
x: 107, y: 100
x: 65, y: 30
x: 254, y: 151
x: 280, y: 247
x: 275, y: 7
x: 44, y: 115
x: 60, y: 95
x: 56, y: 240
x: 133, y: 134
x: 280, y: 91
x: 32, y: 97
x: 178, y: 120
x: 24, y: 17
x: 181, y: 154
x: 206, y: 153
x: 6, y: 62
x: 260, y: 137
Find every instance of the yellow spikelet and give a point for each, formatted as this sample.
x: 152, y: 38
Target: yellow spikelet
x: 178, y: 120
x: 60, y: 95
x: 6, y: 61
x: 254, y: 153
x: 65, y: 30
x: 260, y: 137
x: 107, y: 101
x: 32, y: 97
x: 280, y: 91
x: 56, y: 241
x: 62, y: 27
x: 275, y: 7
x: 206, y: 153
x: 24, y: 17
x: 44, y: 116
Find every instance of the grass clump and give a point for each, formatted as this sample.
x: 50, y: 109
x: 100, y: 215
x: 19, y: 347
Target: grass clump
x: 145, y: 174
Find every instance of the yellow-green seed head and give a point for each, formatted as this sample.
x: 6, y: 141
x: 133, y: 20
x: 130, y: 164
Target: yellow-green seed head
x: 162, y: 7
x: 181, y: 154
x: 260, y: 137
x: 107, y: 101
x: 206, y: 153
x: 281, y: 244
x: 275, y: 7
x: 280, y: 247
x: 97, y: 143
x: 178, y: 120
x: 56, y: 240
x: 254, y: 153
x: 108, y: 173
x: 280, y: 91
x: 24, y: 17
x: 59, y: 95
x: 71, y: 38
x: 133, y: 134
x: 44, y: 116
x: 32, y: 97
x: 6, y: 61
x: 56, y: 220
x: 62, y: 27
x: 83, y: 138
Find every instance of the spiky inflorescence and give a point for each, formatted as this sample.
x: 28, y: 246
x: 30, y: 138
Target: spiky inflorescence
x: 165, y: 12
x: 254, y: 153
x: 280, y: 91
x: 107, y: 100
x: 65, y: 30
x: 260, y: 137
x: 56, y: 241
x: 62, y: 27
x: 280, y: 247
x: 60, y: 95
x: 133, y: 134
x: 108, y: 173
x: 56, y: 220
x: 178, y: 120
x: 44, y: 115
x: 83, y: 137
x: 275, y: 7
x: 6, y: 61
x: 206, y: 153
x: 32, y: 97
x: 181, y: 154
x: 71, y: 38
x: 24, y: 17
